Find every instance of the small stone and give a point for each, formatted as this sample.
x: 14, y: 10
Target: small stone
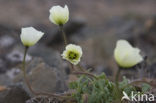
x: 15, y: 57
x: 13, y: 94
x: 6, y: 41
x: 12, y: 73
x: 2, y: 66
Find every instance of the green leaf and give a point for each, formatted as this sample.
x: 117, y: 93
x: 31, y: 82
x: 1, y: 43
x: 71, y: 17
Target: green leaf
x: 145, y: 87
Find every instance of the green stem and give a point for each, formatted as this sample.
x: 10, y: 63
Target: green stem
x: 117, y: 77
x: 24, y: 71
x: 72, y: 67
x: 81, y: 68
x: 117, y: 83
x: 63, y: 34
x: 85, y: 73
x: 141, y: 81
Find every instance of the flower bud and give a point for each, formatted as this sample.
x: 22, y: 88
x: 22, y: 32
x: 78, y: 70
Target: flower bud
x: 59, y: 15
x: 125, y: 55
x: 30, y: 36
x: 72, y: 53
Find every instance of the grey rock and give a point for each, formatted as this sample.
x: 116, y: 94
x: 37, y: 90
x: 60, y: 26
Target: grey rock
x: 2, y: 66
x: 15, y: 57
x: 12, y: 73
x: 152, y: 70
x: 13, y: 95
x: 50, y: 56
x: 43, y: 78
x: 5, y: 80
x: 7, y: 77
x: 6, y: 29
x: 99, y: 69
x: 11, y: 58
x: 6, y: 41
x: 7, y: 38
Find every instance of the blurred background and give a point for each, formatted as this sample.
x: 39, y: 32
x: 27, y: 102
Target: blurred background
x: 95, y: 25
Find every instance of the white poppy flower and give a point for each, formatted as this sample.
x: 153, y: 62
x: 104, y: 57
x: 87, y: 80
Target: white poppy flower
x: 125, y: 55
x: 72, y: 53
x: 30, y: 36
x: 59, y: 15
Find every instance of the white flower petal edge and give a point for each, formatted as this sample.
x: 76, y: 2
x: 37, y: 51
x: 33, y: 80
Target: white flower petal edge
x: 125, y: 55
x: 59, y: 15
x: 75, y: 49
x: 30, y: 36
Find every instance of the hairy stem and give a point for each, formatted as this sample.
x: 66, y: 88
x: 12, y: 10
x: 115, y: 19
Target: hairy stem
x: 24, y: 71
x: 117, y: 77
x: 63, y: 34
x: 85, y: 73
x: 117, y: 83
x: 81, y: 68
x: 72, y: 67
x: 139, y: 81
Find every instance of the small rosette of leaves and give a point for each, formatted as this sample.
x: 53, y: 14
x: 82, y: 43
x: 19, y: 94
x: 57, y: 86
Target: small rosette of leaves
x: 95, y: 90
x: 100, y: 90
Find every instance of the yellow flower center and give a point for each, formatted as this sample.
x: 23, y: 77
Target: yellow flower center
x: 72, y: 55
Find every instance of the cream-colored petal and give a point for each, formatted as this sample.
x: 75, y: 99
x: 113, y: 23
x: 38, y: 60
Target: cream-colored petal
x: 59, y: 15
x: 75, y: 49
x: 126, y: 55
x: 30, y: 36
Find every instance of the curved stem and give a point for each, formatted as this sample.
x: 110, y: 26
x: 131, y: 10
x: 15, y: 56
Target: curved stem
x: 29, y: 85
x: 85, y: 73
x: 24, y: 71
x: 63, y: 34
x: 150, y: 82
x: 81, y: 68
x: 51, y: 95
x: 72, y: 67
